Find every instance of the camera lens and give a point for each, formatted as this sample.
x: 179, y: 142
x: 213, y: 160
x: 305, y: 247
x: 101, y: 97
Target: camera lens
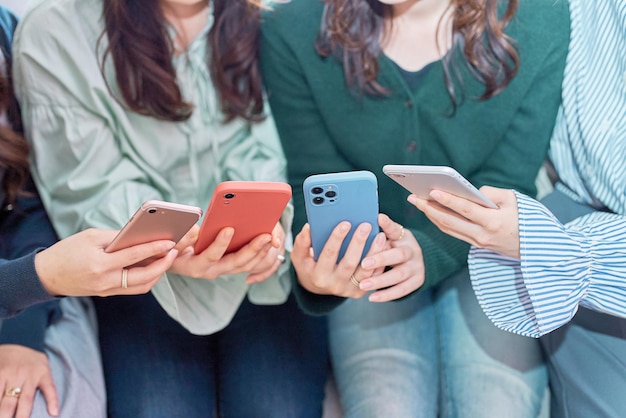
x: 317, y: 190
x: 152, y: 210
x: 318, y: 200
x: 229, y: 195
x: 330, y: 194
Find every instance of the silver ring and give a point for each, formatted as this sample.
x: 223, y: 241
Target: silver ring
x: 281, y: 258
x: 355, y: 282
x: 124, y: 278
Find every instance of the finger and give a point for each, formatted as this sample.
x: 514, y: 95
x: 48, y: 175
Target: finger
x: 141, y: 279
x: 131, y: 255
x: 467, y: 209
x: 215, y: 251
x: 8, y: 404
x: 49, y: 392
x: 393, y: 230
x: 25, y: 401
x: 395, y: 292
x: 264, y: 275
x: 327, y: 259
x: 189, y: 239
x: 354, y: 251
x: 302, y: 244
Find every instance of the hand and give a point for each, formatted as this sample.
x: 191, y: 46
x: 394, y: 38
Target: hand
x: 325, y: 276
x: 27, y: 369
x: 272, y: 261
x: 404, y: 254
x: 78, y: 265
x: 213, y: 262
x: 494, y: 229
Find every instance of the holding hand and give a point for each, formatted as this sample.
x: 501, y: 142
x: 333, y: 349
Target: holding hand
x: 23, y: 371
x: 260, y: 257
x: 78, y: 265
x: 326, y: 276
x: 493, y: 229
x: 403, y: 253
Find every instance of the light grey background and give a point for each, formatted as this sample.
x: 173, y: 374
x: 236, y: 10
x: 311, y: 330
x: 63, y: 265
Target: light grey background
x: 16, y: 6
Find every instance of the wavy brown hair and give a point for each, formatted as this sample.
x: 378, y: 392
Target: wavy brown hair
x: 352, y: 31
x: 141, y: 49
x: 13, y: 147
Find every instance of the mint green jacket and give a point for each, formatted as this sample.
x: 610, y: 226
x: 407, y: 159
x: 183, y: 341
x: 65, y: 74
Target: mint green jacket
x: 95, y: 162
x: 326, y: 127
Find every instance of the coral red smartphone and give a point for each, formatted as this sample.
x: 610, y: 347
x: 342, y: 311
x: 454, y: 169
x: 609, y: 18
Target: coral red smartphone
x: 251, y: 207
x: 156, y: 220
x: 421, y: 179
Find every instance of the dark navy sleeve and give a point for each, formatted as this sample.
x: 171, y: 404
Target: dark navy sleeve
x: 24, y: 231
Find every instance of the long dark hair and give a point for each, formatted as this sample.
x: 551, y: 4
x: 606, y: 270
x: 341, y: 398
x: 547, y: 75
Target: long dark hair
x: 141, y: 50
x: 352, y: 31
x: 13, y: 147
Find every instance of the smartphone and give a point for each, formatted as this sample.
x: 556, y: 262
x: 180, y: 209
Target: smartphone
x: 156, y: 220
x: 251, y: 207
x: 335, y: 197
x: 421, y: 179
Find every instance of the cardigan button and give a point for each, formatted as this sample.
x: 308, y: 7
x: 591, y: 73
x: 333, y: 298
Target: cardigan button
x: 411, y: 146
x: 408, y: 103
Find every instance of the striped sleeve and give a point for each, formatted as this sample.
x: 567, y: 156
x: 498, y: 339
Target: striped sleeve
x: 582, y: 263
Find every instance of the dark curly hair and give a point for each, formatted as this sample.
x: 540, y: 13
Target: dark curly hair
x: 141, y: 50
x: 352, y: 31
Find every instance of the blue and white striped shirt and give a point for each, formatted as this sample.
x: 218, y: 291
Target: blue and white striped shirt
x: 581, y: 263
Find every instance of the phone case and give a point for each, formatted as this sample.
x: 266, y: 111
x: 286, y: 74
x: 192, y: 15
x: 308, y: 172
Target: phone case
x: 251, y: 207
x: 421, y: 179
x: 335, y: 197
x: 156, y: 220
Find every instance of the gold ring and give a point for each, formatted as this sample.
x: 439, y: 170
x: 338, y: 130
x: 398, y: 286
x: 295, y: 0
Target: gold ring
x: 281, y: 258
x: 124, y: 278
x: 401, y: 233
x: 355, y: 282
x: 13, y: 392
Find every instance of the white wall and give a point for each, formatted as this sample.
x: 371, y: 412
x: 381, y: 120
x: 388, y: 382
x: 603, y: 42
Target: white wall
x: 16, y: 6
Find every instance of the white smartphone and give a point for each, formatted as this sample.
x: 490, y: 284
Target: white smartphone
x: 421, y: 179
x: 156, y: 220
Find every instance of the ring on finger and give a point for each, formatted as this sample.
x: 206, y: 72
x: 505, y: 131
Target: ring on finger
x: 355, y: 282
x: 124, y: 278
x: 401, y: 233
x: 13, y: 392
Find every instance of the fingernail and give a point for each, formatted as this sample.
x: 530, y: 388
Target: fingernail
x: 367, y: 263
x: 435, y: 194
x: 365, y: 285
x: 345, y: 226
x: 374, y: 298
x: 412, y: 199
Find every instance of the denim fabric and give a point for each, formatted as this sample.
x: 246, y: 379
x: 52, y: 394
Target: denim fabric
x: 71, y: 344
x: 270, y: 361
x: 433, y: 354
x: 486, y: 372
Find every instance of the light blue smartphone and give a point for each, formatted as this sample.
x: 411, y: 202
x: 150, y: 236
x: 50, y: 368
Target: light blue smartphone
x: 335, y: 197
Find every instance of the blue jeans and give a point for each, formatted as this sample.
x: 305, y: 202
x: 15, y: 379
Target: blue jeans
x: 587, y: 356
x: 270, y: 361
x: 433, y: 354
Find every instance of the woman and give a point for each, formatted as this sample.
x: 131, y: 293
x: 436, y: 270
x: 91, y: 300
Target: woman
x: 563, y: 279
x: 359, y: 84
x: 49, y: 357
x: 126, y: 101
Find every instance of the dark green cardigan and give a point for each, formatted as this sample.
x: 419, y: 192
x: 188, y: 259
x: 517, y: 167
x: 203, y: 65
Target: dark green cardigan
x: 324, y: 127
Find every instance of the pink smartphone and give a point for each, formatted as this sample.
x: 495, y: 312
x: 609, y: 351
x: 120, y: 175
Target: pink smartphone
x: 156, y: 220
x: 251, y: 207
x: 421, y: 179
